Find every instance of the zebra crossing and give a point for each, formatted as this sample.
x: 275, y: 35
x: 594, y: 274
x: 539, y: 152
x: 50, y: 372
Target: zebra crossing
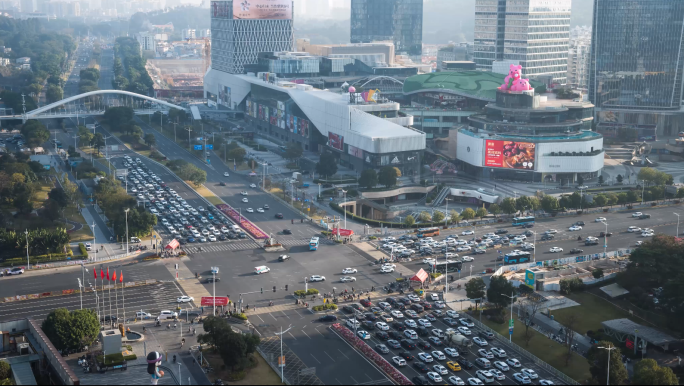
x: 242, y: 246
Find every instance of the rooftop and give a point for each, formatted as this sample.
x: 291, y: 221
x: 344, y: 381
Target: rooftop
x: 472, y: 84
x: 649, y: 334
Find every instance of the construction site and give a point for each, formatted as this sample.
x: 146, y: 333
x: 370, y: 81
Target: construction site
x: 180, y: 77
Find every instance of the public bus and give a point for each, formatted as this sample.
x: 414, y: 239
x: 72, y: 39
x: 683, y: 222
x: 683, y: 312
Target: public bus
x: 428, y: 232
x: 523, y: 220
x: 449, y: 266
x: 313, y: 244
x: 516, y: 257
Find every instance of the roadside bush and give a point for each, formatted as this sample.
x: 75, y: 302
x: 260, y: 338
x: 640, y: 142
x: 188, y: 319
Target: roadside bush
x: 400, y: 279
x: 240, y: 316
x: 326, y: 233
x: 417, y: 291
x: 82, y: 248
x: 54, y: 258
x: 235, y: 376
x: 385, y: 224
x: 435, y: 275
x: 325, y: 307
x: 311, y: 291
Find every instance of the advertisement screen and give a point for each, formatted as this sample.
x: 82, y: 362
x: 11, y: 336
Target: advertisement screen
x: 224, y: 97
x: 336, y: 141
x: 262, y: 9
x: 510, y: 155
x: 355, y: 151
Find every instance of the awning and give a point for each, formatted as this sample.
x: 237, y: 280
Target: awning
x: 173, y: 244
x: 343, y: 232
x: 420, y: 276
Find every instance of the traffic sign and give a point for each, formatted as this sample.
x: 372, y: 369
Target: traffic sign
x: 281, y: 361
x: 510, y: 323
x: 510, y: 331
x: 198, y: 147
x: 210, y: 147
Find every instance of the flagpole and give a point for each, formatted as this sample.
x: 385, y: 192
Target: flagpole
x: 123, y: 297
x: 116, y: 297
x: 109, y: 288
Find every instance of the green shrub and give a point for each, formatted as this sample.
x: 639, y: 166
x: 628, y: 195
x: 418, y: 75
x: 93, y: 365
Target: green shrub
x: 326, y: 233
x: 82, y: 248
x: 386, y: 224
x: 312, y: 291
x: 131, y: 357
x: 324, y: 307
x: 235, y: 376
x: 240, y: 316
x: 435, y: 275
x: 300, y: 293
x: 417, y: 291
x: 400, y: 279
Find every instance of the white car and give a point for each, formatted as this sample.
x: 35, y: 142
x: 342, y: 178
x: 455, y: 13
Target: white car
x: 184, y: 299
x: 467, y: 232
x: 434, y: 296
x: 466, y: 322
x: 226, y: 174
x: 434, y: 377
x: 439, y: 355
x: 463, y: 248
x: 382, y: 326
x: 425, y: 357
x: 363, y: 334
x: 464, y: 330
x: 501, y: 365
x: 252, y: 186
x: 500, y: 353
x: 522, y: 379
x: 245, y: 199
x: 485, y: 354
x: 244, y: 193
x: 250, y: 210
x: 348, y: 279
x: 551, y: 231
x: 638, y: 243
x: 647, y: 234
x: 633, y: 229
x: 212, y: 238
x: 429, y: 261
x: 348, y: 271
x: 600, y: 219
x: 441, y: 370
x: 467, y: 258
x: 353, y: 323
x: 454, y: 380
x: 397, y: 314
x: 452, y: 352
x: 575, y: 228
x: 479, y: 341
x: 260, y: 210
x: 546, y: 382
x: 513, y: 362
x: 410, y: 323
x: 530, y: 373
x: 424, y: 322
x: 485, y: 376
x: 410, y: 334
x: 636, y: 214
x: 399, y: 361
x: 413, y: 297
x: 556, y: 250
x: 498, y: 375
x: 440, y: 304
x: 452, y: 314
x: 315, y: 278
x: 142, y: 315
x: 386, y: 269
x: 474, y: 382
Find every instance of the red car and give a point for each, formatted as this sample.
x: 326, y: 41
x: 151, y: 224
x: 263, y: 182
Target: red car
x: 366, y: 303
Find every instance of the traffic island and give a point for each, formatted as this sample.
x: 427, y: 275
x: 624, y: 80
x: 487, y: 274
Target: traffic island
x: 271, y: 245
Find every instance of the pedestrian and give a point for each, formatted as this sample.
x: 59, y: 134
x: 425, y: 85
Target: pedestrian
x: 202, y: 309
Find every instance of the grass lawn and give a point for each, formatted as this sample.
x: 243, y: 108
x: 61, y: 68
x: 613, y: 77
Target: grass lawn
x: 206, y: 193
x: 84, y: 234
x: 261, y: 374
x: 547, y: 350
x: 591, y: 311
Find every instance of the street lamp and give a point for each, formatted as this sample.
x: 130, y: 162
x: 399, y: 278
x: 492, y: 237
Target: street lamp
x: 605, y: 239
x: 282, y: 365
x: 126, y: 210
x: 510, y: 336
x: 677, y: 214
x: 534, y: 247
x: 643, y: 185
x: 28, y: 261
x: 345, y: 209
x: 609, y: 348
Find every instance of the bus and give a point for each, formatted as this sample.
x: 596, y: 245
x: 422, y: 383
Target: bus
x: 313, y: 244
x: 428, y: 232
x: 523, y: 220
x: 448, y: 266
x: 516, y: 257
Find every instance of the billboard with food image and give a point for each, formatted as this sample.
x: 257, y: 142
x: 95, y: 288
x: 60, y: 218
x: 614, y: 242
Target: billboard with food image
x: 510, y: 155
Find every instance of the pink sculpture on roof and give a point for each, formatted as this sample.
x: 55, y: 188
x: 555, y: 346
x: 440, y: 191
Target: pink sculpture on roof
x: 521, y: 85
x: 514, y: 74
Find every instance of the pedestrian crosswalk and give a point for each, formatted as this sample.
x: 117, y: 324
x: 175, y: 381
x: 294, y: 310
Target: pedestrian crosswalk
x: 242, y: 246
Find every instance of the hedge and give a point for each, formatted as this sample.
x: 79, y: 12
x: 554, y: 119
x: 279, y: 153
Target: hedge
x: 383, y: 223
x: 435, y: 275
x: 325, y: 307
x: 342, y: 181
x: 240, y: 316
x: 55, y: 258
x: 311, y: 291
x: 82, y: 248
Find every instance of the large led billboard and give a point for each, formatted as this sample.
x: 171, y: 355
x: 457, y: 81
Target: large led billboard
x: 336, y: 141
x: 510, y: 155
x: 262, y: 9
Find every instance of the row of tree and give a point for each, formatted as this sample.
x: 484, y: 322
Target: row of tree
x: 40, y: 242
x: 88, y: 80
x: 188, y: 172
x: 454, y: 217
x: 129, y: 67
x: 114, y: 200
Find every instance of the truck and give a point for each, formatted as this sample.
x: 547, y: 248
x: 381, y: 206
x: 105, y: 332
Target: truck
x: 459, y: 341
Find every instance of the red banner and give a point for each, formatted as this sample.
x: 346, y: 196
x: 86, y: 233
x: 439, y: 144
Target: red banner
x: 209, y: 301
x: 343, y: 232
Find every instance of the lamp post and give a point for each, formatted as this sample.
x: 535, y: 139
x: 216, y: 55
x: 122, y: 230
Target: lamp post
x: 28, y: 261
x: 534, y: 247
x: 510, y: 336
x: 94, y: 240
x: 677, y: 214
x: 282, y: 365
x: 605, y: 239
x: 643, y: 185
x: 609, y: 348
x: 345, y: 209
x: 126, y: 210
x: 446, y: 212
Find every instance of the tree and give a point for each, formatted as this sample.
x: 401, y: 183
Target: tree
x: 234, y: 348
x: 5, y: 373
x: 327, y: 165
x: 438, y: 217
x: 481, y: 213
x: 293, y: 151
x: 454, y: 217
x: 580, y: 180
x: 35, y: 133
x: 632, y: 196
x: 619, y: 178
x: 499, y: 285
x: 601, y: 200
x: 495, y: 209
x: 59, y: 196
x: 647, y: 372
x: 98, y: 142
x: 535, y: 204
x: 409, y: 221
x: 468, y: 214
x: 424, y: 217
x: 508, y: 205
x: 597, y: 273
x: 523, y: 203
x: 549, y: 203
x: 600, y: 180
x: 387, y: 176
x: 569, y: 339
x: 531, y: 305
x: 54, y: 93
x: 150, y: 140
x: 475, y: 289
x: 598, y: 362
x: 117, y: 117
x: 368, y: 179
x: 71, y: 330
x: 238, y: 154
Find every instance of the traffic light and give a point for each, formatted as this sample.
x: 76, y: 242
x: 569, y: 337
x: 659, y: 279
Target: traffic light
x: 273, y: 288
x: 285, y: 287
x: 262, y: 291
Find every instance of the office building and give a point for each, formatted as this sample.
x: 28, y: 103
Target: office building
x: 240, y: 33
x: 579, y: 57
x: 636, y: 67
x: 146, y: 40
x: 400, y: 21
x: 188, y: 33
x: 454, y: 53
x: 531, y: 33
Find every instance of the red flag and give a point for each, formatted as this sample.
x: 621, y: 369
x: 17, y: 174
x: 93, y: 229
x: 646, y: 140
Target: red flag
x: 95, y: 273
x: 107, y: 273
x: 114, y: 276
x: 101, y: 274
x: 121, y: 277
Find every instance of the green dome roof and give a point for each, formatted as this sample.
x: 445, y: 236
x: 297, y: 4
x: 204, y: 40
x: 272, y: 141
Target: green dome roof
x: 473, y: 84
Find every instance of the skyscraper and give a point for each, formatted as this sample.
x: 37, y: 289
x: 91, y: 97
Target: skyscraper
x: 532, y: 33
x: 637, y: 63
x: 400, y: 21
x: 240, y: 30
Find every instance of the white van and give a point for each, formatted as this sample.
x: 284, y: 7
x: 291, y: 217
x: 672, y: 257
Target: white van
x: 167, y: 315
x: 261, y: 269
x: 235, y: 228
x: 484, y: 363
x: 450, y: 255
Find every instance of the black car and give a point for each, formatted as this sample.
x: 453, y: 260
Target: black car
x: 580, y: 223
x: 348, y: 309
x: 382, y: 335
x: 547, y: 237
x: 327, y: 318
x: 394, y: 344
x: 212, y: 279
x: 395, y: 335
x: 406, y: 355
x: 279, y: 215
x: 451, y: 322
x: 426, y: 305
x: 418, y: 308
x: 223, y: 238
x: 368, y: 325
x: 604, y: 234
x: 406, y: 301
x: 501, y: 231
x: 420, y: 380
x: 466, y: 364
x: 287, y: 232
x: 423, y: 345
x: 576, y: 250
x: 399, y: 326
x: 408, y: 344
x: 382, y: 349
x: 528, y: 225
x: 370, y: 316
x: 422, y: 331
x: 421, y: 367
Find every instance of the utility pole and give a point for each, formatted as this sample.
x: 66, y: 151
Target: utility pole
x: 28, y: 259
x: 189, y: 129
x: 609, y: 349
x: 174, y: 130
x: 282, y: 364
x: 109, y: 168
